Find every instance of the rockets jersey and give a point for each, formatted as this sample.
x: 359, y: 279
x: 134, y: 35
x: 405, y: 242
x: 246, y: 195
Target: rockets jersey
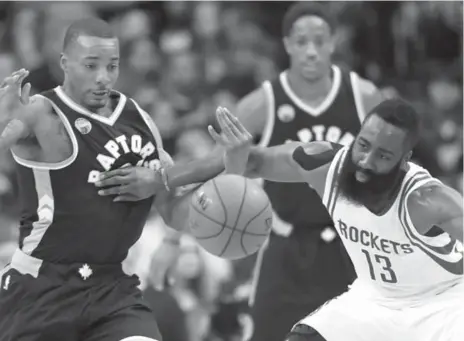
x: 393, y: 260
x: 63, y: 217
x: 337, y: 119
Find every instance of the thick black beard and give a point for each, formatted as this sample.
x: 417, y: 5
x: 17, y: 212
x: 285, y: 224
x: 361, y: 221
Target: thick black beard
x: 361, y: 194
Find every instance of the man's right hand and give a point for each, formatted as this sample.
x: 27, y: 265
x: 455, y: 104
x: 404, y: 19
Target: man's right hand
x: 13, y: 117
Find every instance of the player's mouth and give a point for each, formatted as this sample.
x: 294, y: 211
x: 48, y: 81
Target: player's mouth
x: 100, y: 93
x: 362, y: 176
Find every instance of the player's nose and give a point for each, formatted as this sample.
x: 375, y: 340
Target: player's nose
x: 103, y: 76
x: 311, y: 50
x: 367, y: 162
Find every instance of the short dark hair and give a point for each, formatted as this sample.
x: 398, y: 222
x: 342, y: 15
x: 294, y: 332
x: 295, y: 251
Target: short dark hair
x: 401, y: 114
x: 302, y: 9
x: 93, y: 27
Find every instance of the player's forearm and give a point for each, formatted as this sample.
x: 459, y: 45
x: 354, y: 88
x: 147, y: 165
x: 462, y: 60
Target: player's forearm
x: 196, y: 171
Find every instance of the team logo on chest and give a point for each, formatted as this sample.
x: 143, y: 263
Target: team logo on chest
x: 83, y: 126
x: 286, y: 113
x: 124, y: 151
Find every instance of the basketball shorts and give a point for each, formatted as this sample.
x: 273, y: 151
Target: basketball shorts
x: 295, y: 275
x: 41, y: 301
x: 354, y: 317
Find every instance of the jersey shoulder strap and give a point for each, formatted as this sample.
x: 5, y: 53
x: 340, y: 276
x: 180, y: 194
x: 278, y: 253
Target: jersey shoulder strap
x: 330, y: 189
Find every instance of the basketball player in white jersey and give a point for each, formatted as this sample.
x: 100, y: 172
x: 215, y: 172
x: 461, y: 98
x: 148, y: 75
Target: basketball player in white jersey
x: 402, y: 228
x: 313, y: 100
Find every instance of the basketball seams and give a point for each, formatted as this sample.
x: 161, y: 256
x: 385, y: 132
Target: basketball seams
x: 226, y: 226
x: 238, y: 217
x: 245, y: 232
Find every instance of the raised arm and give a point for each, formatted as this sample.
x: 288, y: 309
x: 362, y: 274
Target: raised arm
x: 291, y: 162
x: 437, y: 206
x: 252, y: 113
x: 22, y: 117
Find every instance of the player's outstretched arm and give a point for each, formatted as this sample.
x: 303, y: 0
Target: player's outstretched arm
x: 291, y: 162
x: 437, y: 205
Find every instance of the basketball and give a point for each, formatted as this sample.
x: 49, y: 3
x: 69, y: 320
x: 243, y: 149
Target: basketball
x: 230, y: 216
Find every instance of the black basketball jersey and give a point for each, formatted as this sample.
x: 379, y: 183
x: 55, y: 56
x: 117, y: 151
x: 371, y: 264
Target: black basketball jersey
x: 337, y: 119
x: 63, y: 217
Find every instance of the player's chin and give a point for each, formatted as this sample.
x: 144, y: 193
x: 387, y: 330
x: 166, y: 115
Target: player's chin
x: 97, y: 102
x: 311, y: 73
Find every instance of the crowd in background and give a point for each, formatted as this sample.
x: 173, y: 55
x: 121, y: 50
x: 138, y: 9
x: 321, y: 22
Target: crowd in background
x: 180, y: 60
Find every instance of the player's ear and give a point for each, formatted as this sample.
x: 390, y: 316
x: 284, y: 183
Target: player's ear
x: 287, y: 45
x: 335, y: 38
x: 407, y: 157
x: 63, y: 62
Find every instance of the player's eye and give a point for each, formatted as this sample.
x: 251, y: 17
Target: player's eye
x: 113, y: 66
x: 384, y: 157
x: 90, y: 66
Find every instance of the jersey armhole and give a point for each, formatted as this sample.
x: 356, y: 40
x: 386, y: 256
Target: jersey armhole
x: 165, y: 158
x: 330, y: 182
x: 270, y: 116
x: 358, y: 96
x: 56, y: 165
x: 442, y: 249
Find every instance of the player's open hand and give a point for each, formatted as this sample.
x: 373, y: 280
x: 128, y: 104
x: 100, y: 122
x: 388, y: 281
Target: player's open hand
x: 130, y: 183
x: 234, y: 138
x: 12, y: 99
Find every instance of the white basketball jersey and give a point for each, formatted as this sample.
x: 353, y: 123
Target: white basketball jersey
x: 392, y: 260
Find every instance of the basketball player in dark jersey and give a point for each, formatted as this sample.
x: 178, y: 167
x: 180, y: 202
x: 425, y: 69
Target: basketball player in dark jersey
x: 304, y: 263
x: 65, y: 281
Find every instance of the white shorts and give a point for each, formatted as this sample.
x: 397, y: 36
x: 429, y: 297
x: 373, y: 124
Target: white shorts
x: 352, y: 317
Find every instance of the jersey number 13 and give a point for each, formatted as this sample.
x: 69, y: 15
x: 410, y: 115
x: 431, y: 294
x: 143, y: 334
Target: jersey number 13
x: 383, y: 266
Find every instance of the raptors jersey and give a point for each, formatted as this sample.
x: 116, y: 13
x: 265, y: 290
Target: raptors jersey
x: 337, y: 119
x: 392, y: 260
x: 63, y: 217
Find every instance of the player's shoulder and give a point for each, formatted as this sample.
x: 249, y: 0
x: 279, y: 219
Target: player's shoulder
x: 434, y: 201
x: 254, y: 101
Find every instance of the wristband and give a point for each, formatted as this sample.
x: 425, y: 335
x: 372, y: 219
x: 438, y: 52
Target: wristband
x: 164, y: 178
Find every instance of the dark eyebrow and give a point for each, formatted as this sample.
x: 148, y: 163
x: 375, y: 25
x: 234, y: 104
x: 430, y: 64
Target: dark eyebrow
x: 96, y: 58
x: 383, y: 150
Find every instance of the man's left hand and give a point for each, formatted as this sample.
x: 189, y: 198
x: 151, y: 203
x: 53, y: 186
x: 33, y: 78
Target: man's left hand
x: 130, y: 183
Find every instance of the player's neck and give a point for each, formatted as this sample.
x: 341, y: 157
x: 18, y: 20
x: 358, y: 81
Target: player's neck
x: 310, y: 91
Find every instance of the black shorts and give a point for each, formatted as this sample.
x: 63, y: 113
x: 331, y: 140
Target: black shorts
x: 42, y: 301
x: 296, y: 275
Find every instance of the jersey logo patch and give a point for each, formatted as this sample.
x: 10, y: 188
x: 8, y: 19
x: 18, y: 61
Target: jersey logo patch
x: 83, y: 126
x: 286, y: 113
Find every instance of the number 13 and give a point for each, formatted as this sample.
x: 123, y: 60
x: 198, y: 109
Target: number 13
x: 387, y: 275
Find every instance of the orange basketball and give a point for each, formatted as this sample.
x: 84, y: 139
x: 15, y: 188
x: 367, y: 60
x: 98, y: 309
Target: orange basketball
x: 230, y: 216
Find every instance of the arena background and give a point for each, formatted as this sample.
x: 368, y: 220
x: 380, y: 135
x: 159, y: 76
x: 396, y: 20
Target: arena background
x: 182, y: 59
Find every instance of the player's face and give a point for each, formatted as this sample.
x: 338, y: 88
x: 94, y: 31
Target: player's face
x: 374, y: 161
x: 91, y: 67
x: 310, y: 45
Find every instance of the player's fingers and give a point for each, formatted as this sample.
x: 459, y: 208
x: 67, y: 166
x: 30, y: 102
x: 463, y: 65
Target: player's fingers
x: 226, y: 127
x: 21, y: 77
x: 14, y: 131
x: 116, y: 180
x: 215, y: 135
x: 25, y: 93
x: 125, y: 197
x: 243, y: 131
x: 115, y: 190
x: 116, y: 172
x: 231, y: 124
